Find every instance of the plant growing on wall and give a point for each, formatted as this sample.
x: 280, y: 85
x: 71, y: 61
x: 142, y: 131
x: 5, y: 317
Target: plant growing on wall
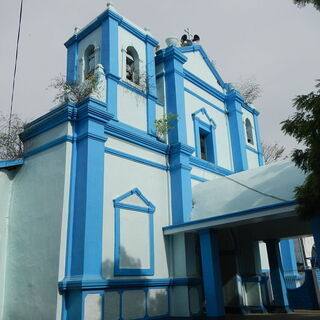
x: 11, y: 146
x: 163, y: 125
x: 75, y: 91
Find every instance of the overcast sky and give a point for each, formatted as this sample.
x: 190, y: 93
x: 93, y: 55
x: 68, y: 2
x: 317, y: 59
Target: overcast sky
x: 271, y: 40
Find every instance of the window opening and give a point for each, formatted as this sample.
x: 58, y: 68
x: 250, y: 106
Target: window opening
x: 132, y: 65
x: 249, y: 131
x: 90, y: 62
x: 203, y: 146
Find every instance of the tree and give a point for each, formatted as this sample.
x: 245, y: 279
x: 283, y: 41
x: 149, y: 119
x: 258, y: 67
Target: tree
x: 272, y: 152
x: 249, y: 89
x: 303, y: 3
x: 11, y: 146
x: 305, y: 127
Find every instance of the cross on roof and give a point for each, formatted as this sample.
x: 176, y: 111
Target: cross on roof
x: 189, y: 34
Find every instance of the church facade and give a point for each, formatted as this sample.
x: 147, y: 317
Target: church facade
x: 91, y: 208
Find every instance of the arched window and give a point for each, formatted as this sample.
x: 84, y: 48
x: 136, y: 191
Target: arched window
x: 132, y: 65
x: 249, y: 131
x: 89, y: 58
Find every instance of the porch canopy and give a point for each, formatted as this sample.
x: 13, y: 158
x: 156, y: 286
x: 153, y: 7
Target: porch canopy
x: 256, y: 196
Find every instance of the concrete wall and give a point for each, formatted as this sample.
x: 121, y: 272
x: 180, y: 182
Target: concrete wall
x: 37, y: 235
x: 121, y: 176
x: 6, y: 177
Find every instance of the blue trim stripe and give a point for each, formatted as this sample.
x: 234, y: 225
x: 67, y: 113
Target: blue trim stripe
x: 196, y: 47
x: 148, y: 209
x: 194, y: 177
x: 252, y: 149
x: 203, y: 85
x: 205, y: 100
x: 136, y: 159
x: 208, y: 166
x: 78, y: 284
x: 135, y: 136
x: 11, y: 163
x: 233, y: 214
x: 49, y: 145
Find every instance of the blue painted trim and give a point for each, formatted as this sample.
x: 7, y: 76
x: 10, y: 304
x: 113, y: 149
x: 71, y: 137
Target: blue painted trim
x: 250, y: 109
x: 233, y: 214
x: 196, y: 47
x: 107, y: 14
x: 252, y: 149
x: 258, y: 139
x: 205, y: 100
x: 213, y: 289
x: 63, y: 113
x: 201, y: 127
x: 11, y: 163
x: 109, y: 56
x: 149, y: 209
x: 136, y: 159
x: 48, y: 145
x: 199, y: 163
x: 237, y: 133
x: 276, y: 274
x: 288, y: 258
x: 203, y: 85
x: 194, y: 177
x: 72, y: 62
x: 75, y: 283
x: 135, y: 136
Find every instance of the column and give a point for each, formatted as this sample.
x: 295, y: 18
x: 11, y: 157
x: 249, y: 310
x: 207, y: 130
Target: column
x: 180, y: 152
x: 281, y: 303
x: 289, y: 261
x: 211, y: 275
x: 110, y: 56
x: 84, y: 248
x: 238, y: 140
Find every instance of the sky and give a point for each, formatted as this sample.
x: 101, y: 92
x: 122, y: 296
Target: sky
x: 272, y: 41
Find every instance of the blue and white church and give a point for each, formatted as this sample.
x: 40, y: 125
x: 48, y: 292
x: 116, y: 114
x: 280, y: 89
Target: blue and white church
x: 103, y: 219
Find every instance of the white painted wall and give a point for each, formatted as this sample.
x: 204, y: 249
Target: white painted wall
x: 6, y: 177
x: 154, y: 185
x: 223, y: 146
x: 132, y: 108
x: 253, y: 160
x: 196, y: 65
x: 93, y: 307
x: 38, y: 207
x: 48, y: 136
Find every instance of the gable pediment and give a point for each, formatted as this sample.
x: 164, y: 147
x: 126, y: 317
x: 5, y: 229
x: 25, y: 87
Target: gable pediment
x: 202, y: 67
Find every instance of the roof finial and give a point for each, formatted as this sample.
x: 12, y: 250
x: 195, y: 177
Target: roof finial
x: 76, y: 30
x: 189, y: 34
x: 110, y: 5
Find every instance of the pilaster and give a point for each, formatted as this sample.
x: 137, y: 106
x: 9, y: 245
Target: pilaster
x: 109, y: 57
x: 258, y: 139
x: 234, y: 103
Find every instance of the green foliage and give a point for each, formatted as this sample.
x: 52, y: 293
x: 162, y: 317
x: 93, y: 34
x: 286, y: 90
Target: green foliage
x: 163, y: 125
x: 303, y: 3
x: 75, y: 91
x: 305, y: 127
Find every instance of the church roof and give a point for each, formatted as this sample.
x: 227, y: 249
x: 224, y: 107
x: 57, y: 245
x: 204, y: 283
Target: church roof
x: 261, y: 187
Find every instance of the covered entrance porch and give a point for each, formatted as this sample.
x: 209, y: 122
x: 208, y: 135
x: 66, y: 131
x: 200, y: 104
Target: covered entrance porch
x: 232, y: 278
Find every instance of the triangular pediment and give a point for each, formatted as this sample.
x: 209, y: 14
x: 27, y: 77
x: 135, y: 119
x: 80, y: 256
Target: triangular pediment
x: 201, y: 66
x: 134, y: 198
x: 202, y: 115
